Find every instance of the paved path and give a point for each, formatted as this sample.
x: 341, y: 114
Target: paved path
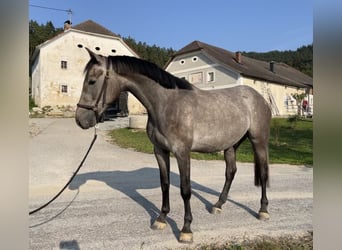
x: 116, y: 195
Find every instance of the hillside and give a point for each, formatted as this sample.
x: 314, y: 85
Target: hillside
x: 301, y: 59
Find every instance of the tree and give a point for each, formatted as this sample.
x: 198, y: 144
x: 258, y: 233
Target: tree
x: 301, y: 59
x: 39, y: 33
x: 299, y: 98
x: 153, y: 53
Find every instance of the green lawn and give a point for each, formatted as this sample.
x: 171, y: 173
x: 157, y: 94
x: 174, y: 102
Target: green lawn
x: 290, y: 142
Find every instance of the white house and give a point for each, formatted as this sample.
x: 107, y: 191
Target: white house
x: 210, y: 67
x: 58, y: 64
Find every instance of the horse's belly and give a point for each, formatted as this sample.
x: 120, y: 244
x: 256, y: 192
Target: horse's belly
x: 214, y: 141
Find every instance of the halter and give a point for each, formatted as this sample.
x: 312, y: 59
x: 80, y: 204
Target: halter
x: 102, y: 94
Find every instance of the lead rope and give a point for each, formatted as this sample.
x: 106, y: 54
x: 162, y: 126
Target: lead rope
x: 72, y: 177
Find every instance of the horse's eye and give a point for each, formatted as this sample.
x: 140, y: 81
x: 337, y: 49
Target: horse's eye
x: 92, y: 82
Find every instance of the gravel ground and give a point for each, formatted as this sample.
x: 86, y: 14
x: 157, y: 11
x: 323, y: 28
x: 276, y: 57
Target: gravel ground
x: 115, y: 197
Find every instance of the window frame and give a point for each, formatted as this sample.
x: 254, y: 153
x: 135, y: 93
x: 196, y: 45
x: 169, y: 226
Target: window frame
x: 64, y: 88
x: 195, y: 76
x: 64, y: 64
x: 211, y: 77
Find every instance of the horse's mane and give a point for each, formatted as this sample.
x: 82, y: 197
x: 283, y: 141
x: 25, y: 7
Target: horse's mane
x: 126, y: 65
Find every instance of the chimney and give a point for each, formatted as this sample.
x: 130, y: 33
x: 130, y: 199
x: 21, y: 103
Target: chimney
x: 238, y: 57
x: 67, y: 25
x: 272, y: 66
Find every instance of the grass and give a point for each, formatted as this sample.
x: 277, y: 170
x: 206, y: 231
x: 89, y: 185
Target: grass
x: 290, y: 142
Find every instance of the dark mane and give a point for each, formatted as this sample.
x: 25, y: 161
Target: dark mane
x: 126, y: 64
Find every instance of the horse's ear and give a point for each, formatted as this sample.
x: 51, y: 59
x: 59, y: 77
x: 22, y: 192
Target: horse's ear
x: 93, y: 56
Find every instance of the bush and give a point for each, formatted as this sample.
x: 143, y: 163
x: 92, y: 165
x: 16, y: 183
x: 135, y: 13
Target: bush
x: 32, y: 104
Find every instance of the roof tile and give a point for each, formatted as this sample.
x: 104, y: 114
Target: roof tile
x: 93, y: 27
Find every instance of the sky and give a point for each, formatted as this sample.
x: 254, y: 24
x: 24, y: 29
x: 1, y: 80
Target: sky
x: 235, y: 25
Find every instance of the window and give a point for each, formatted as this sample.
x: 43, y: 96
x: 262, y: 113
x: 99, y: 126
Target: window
x: 64, y: 64
x: 64, y: 88
x: 196, y: 77
x: 182, y: 62
x: 210, y: 77
x: 195, y: 59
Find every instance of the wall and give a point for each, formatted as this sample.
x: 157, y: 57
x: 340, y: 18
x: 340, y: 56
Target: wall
x: 51, y: 77
x: 281, y: 95
x: 278, y: 95
x: 35, y: 82
x: 196, y: 68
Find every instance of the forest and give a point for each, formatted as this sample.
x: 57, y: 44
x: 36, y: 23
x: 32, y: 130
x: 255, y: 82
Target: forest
x: 301, y: 59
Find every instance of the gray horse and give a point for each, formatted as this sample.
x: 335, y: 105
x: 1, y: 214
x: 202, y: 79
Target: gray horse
x: 181, y: 119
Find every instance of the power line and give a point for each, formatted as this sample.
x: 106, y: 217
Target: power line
x: 43, y: 7
x: 69, y: 11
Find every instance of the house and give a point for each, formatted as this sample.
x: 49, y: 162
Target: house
x: 58, y: 64
x: 209, y: 67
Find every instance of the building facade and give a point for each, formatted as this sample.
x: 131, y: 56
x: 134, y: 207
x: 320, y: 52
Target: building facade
x: 58, y: 64
x: 209, y: 67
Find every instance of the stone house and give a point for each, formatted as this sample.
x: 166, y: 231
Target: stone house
x: 209, y: 67
x: 58, y: 64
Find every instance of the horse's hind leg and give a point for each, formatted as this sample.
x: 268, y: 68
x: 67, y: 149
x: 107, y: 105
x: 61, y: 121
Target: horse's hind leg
x: 229, y: 156
x: 261, y: 173
x: 163, y: 159
x: 183, y: 160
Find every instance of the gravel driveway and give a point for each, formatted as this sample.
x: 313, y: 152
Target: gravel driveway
x: 115, y: 197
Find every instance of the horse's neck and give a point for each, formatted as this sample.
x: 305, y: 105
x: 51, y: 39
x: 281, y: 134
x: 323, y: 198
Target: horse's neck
x: 148, y: 92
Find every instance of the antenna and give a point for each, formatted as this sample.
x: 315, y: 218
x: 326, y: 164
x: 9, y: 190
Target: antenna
x: 69, y: 11
x: 70, y: 14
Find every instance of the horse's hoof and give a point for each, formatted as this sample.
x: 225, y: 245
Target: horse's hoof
x: 157, y: 225
x: 263, y: 216
x: 185, y: 237
x: 216, y: 210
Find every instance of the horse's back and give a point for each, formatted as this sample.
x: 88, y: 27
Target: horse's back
x: 228, y: 114
x: 222, y: 117
x: 247, y: 98
x: 209, y: 121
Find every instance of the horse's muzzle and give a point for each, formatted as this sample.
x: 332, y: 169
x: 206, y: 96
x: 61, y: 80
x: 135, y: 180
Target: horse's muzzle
x: 86, y: 118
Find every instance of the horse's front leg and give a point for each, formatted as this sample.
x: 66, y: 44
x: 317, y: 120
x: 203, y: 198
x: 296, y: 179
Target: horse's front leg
x: 163, y: 159
x: 183, y: 161
x: 229, y: 156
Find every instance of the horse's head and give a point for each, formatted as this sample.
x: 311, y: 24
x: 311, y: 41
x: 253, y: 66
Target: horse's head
x: 99, y: 90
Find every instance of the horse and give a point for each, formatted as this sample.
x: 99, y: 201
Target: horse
x: 181, y: 119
